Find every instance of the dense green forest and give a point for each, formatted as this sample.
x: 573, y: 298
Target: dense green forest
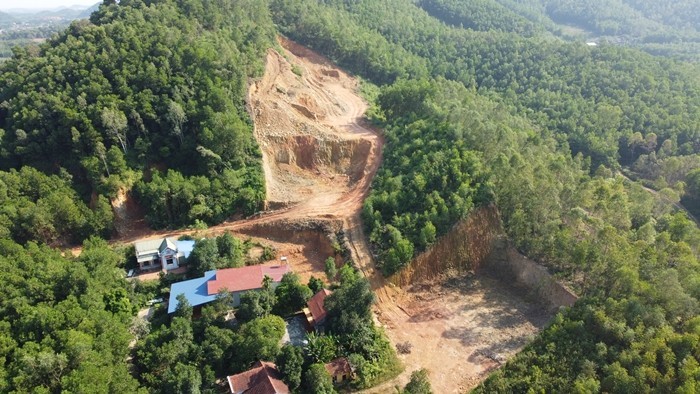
x: 669, y: 28
x: 65, y: 321
x: 542, y: 128
x: 148, y: 94
x: 35, y: 206
x: 480, y: 102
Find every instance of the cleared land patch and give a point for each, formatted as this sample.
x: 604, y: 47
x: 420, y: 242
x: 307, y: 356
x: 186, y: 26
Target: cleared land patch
x: 460, y: 329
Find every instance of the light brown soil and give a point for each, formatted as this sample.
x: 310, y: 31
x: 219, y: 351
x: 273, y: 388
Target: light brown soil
x: 319, y: 158
x: 460, y: 330
x: 317, y: 153
x: 128, y: 215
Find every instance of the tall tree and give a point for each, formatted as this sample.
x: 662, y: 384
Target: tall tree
x: 290, y: 363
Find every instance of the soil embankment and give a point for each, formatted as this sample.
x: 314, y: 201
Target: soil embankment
x: 478, y: 244
x: 508, y: 265
x: 468, y: 304
x: 465, y: 248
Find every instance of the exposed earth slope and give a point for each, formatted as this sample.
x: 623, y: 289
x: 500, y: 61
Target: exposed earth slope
x: 319, y: 158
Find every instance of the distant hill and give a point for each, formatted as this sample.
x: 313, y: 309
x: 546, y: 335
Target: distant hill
x: 61, y: 15
x: 658, y: 27
x: 86, y: 13
x: 6, y: 20
x: 21, y: 27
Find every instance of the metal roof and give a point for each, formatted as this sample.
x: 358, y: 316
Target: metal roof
x: 168, y: 243
x: 185, y: 247
x: 195, y: 290
x: 202, y: 290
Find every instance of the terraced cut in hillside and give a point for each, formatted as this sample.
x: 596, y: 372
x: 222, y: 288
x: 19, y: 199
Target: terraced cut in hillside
x: 319, y: 158
x: 308, y: 122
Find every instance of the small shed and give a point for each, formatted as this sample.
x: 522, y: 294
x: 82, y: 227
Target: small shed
x: 315, y: 310
x: 340, y: 370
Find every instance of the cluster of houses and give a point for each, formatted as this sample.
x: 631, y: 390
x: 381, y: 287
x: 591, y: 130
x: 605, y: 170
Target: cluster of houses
x: 167, y: 254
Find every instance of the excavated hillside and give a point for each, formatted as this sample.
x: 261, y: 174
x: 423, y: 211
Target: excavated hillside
x: 319, y: 158
x: 308, y: 122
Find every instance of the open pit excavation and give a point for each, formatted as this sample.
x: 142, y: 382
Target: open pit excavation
x: 318, y: 155
x: 319, y: 158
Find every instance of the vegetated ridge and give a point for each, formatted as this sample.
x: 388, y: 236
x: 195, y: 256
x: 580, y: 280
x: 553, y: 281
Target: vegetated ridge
x: 143, y: 95
x: 539, y: 127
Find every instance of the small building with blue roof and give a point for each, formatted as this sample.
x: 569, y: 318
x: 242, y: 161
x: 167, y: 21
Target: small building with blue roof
x: 195, y: 290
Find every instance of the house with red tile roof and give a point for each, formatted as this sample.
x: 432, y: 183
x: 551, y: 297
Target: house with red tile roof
x: 203, y: 290
x: 340, y: 370
x: 263, y: 378
x: 315, y: 310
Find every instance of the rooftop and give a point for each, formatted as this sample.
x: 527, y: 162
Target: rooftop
x: 150, y: 248
x: 202, y: 290
x: 245, y: 278
x: 195, y: 290
x: 263, y: 378
x: 185, y: 247
x: 316, y: 307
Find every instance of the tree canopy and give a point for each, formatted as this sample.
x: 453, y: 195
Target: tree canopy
x: 145, y: 92
x: 65, y: 321
x: 555, y: 134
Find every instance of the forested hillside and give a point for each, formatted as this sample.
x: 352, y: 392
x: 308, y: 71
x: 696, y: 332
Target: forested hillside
x: 540, y: 127
x: 65, y: 321
x: 144, y: 94
x: 480, y: 103
x: 669, y: 28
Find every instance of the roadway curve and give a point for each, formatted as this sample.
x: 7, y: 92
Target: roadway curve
x: 292, y: 73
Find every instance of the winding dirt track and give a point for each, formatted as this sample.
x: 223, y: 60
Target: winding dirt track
x: 331, y: 188
x: 338, y: 115
x: 319, y: 158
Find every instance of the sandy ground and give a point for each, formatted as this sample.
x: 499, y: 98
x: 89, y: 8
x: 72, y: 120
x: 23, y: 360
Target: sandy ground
x: 318, y: 153
x: 319, y: 157
x: 460, y: 330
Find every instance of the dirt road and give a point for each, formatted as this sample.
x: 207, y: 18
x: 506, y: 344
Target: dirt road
x: 319, y: 153
x: 319, y: 158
